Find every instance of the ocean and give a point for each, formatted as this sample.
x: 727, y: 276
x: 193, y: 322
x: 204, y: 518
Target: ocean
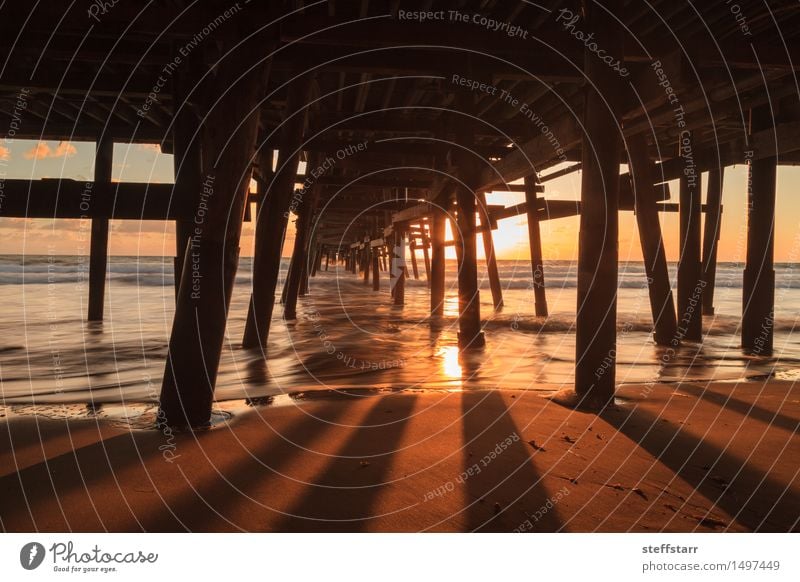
x: 348, y: 337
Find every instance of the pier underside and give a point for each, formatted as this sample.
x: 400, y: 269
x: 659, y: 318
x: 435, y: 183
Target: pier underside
x: 373, y: 123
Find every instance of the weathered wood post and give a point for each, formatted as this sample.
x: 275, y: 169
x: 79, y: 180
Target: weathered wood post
x: 438, y: 219
x: 469, y: 299
x: 299, y: 258
x: 535, y: 243
x: 758, y: 293
x: 662, y: 305
x: 376, y: 271
x: 488, y: 250
x: 426, y: 241
x: 412, y: 247
x: 300, y: 252
x: 397, y: 275
x: 317, y: 252
x: 596, y: 333
x: 690, y: 274
x: 98, y: 247
x: 711, y: 235
x: 187, y: 164
x: 198, y: 328
x: 272, y: 219
x: 367, y: 259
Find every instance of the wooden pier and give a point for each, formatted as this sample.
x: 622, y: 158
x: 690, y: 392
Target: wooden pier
x: 371, y: 127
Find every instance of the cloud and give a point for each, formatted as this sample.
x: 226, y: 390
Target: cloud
x: 42, y: 150
x: 153, y: 147
x: 5, y: 153
x: 65, y: 149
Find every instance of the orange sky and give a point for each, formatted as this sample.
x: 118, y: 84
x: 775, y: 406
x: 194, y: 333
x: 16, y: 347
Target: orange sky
x: 142, y: 163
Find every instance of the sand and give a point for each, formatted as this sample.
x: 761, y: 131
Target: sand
x: 716, y: 457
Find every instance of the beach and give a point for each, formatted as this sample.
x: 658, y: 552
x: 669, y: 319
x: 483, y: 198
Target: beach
x: 681, y: 458
x: 361, y: 416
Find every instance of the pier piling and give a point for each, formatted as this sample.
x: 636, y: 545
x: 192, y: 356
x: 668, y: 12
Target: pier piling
x: 98, y: 251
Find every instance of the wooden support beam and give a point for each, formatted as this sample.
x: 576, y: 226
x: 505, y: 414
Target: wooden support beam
x: 187, y: 163
x: 470, y: 335
x: 596, y: 332
x: 437, y: 260
x: 318, y: 260
x: 71, y: 199
x: 198, y: 329
x: 300, y: 252
x: 376, y: 274
x: 662, y: 305
x: 316, y: 263
x: 98, y: 252
x: 367, y: 260
x: 758, y: 293
x: 414, y: 268
x: 303, y: 291
x: 779, y: 140
x: 535, y: 241
x: 426, y: 256
x: 488, y: 249
x: 398, y: 269
x: 559, y: 173
x: 690, y: 274
x: 711, y: 234
x: 272, y: 219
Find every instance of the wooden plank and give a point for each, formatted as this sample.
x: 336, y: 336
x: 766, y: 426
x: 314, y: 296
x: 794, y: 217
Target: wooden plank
x: 74, y: 199
x: 711, y: 235
x: 535, y: 243
x: 662, y: 304
x: 690, y: 283
x: 98, y: 252
x: 598, y: 253
x: 758, y: 287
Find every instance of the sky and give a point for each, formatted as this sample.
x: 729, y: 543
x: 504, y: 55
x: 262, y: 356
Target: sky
x: 25, y: 159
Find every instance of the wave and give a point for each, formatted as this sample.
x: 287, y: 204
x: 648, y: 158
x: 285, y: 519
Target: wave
x: 159, y: 271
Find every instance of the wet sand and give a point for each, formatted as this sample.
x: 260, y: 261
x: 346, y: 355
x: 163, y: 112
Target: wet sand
x: 690, y: 457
